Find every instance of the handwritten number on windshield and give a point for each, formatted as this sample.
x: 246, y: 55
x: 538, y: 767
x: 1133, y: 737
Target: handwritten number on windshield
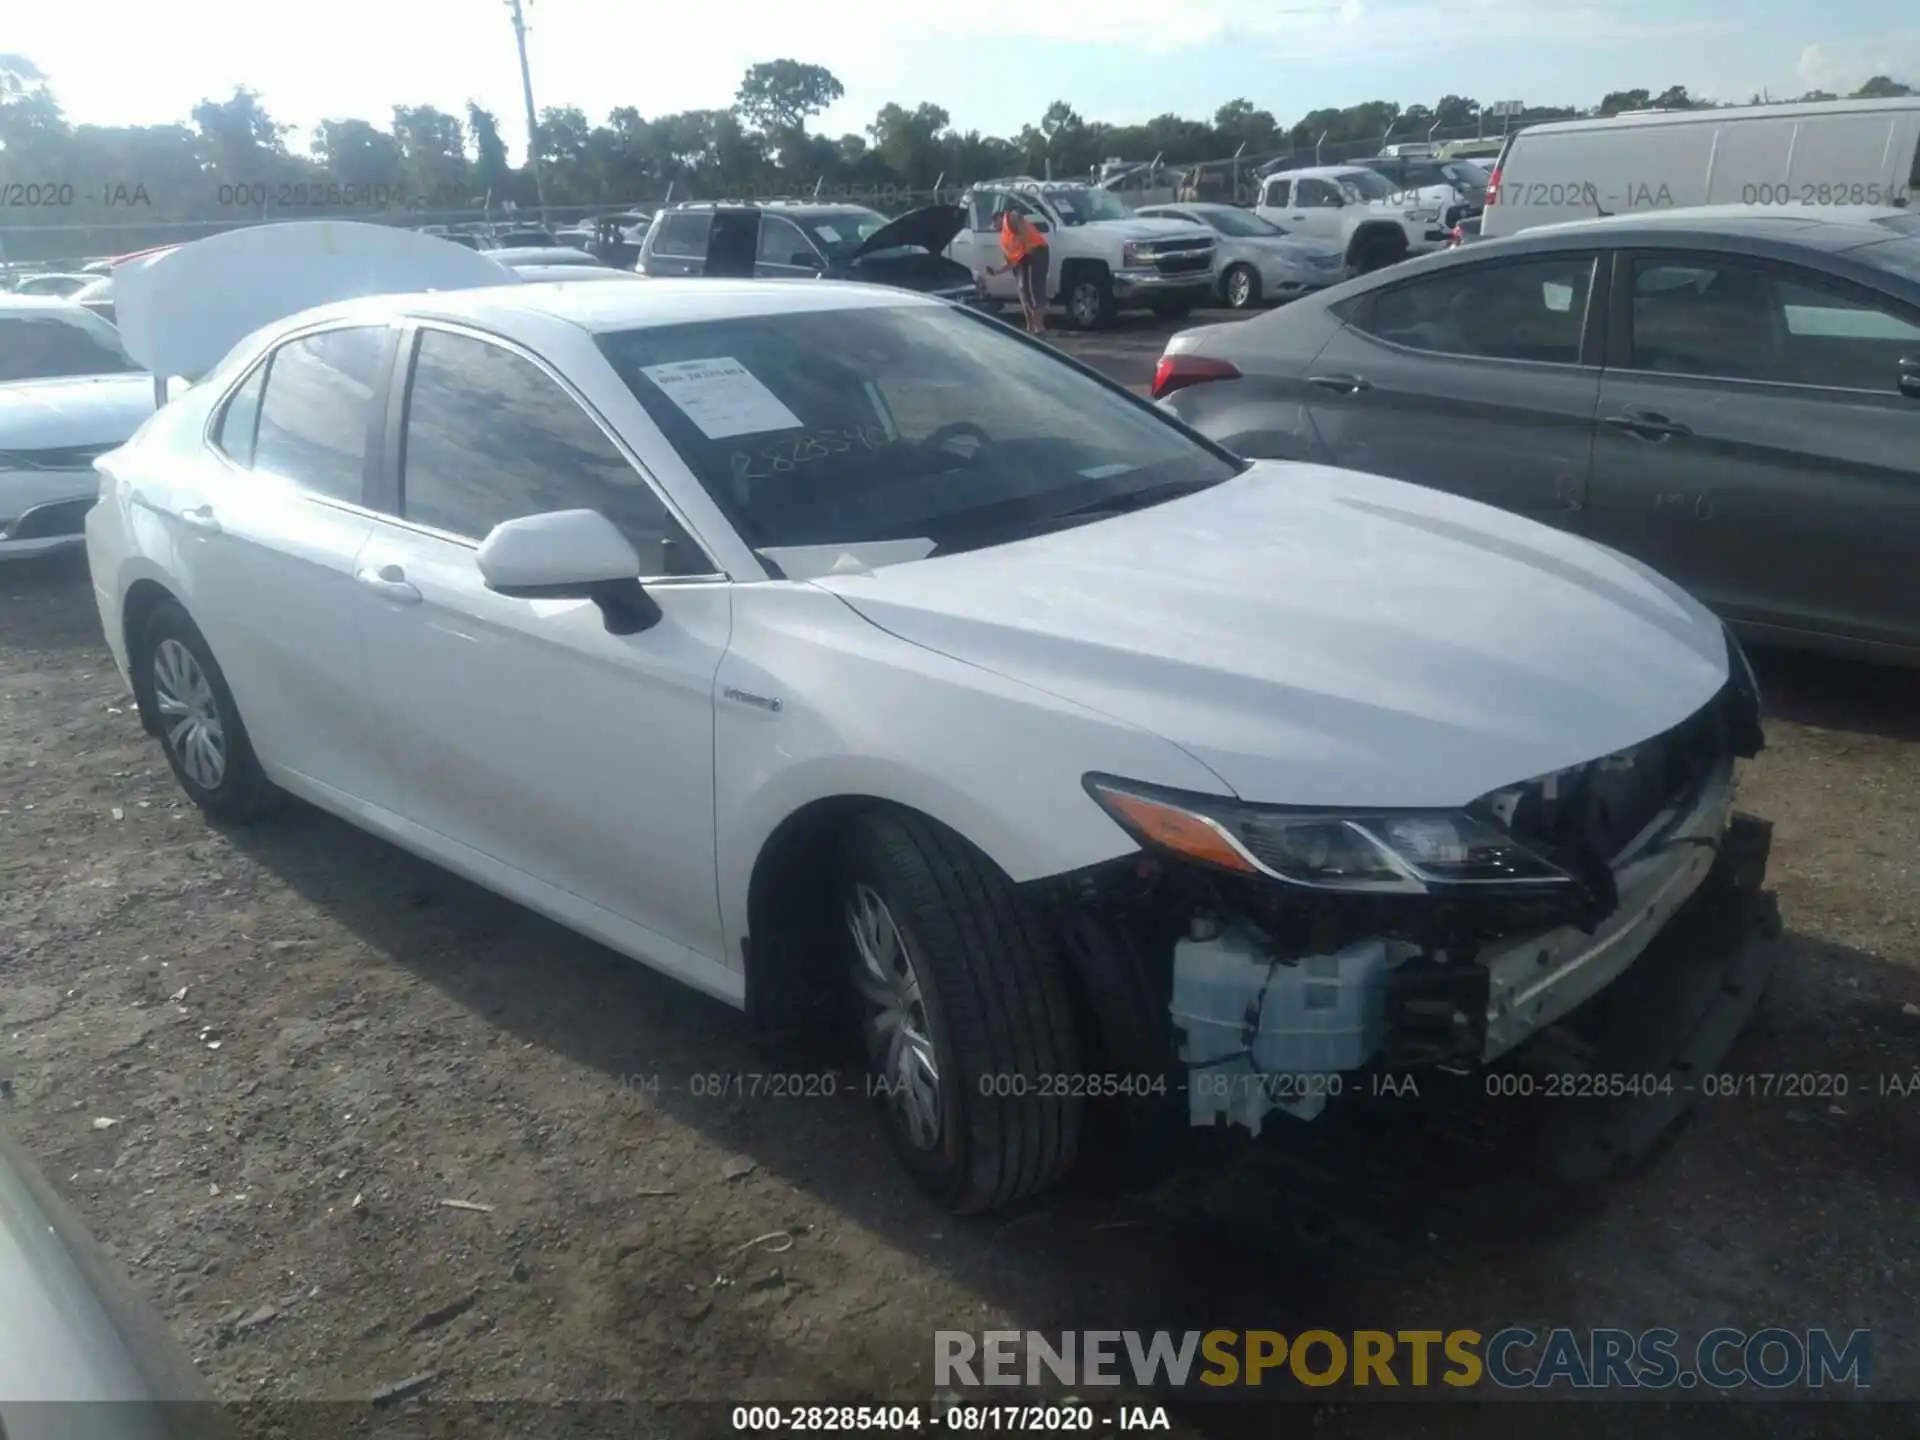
x: 784, y: 456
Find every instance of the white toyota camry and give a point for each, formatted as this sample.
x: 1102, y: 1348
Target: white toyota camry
x: 824, y: 644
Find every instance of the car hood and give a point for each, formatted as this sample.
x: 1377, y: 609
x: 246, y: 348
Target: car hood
x: 1317, y: 636
x: 1148, y: 227
x: 931, y: 227
x: 181, y: 311
x: 73, y: 410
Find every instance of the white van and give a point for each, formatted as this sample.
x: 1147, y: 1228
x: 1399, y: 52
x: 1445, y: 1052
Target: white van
x: 1828, y: 152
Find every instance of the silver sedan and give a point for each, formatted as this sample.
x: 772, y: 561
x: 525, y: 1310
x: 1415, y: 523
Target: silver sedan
x: 1256, y: 262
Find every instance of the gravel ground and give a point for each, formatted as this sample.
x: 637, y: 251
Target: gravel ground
x: 261, y: 1064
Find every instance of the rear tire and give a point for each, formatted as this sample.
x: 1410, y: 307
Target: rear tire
x: 953, y: 983
x: 1240, y: 287
x: 200, y: 728
x: 1376, y: 252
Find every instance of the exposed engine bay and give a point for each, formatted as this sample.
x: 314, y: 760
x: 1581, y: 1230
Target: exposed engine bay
x: 1560, y: 884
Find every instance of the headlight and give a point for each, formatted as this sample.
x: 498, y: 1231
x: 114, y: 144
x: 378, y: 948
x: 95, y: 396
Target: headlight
x: 1132, y: 256
x: 1412, y: 852
x: 1429, y: 217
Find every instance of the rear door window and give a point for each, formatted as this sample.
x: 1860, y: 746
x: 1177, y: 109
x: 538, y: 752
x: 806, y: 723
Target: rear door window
x: 781, y: 243
x: 241, y: 418
x: 318, y: 407
x: 1515, y: 310
x: 1728, y: 320
x: 683, y: 234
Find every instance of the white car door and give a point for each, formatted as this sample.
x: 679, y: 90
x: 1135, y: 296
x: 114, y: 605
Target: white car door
x: 1316, y: 211
x: 520, y: 732
x: 266, y: 528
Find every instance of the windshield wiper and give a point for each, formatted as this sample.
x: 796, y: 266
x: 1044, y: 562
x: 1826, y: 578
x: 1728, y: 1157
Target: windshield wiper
x: 1131, y: 500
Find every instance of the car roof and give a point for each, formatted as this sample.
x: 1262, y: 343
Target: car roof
x: 1319, y: 172
x: 781, y: 207
x: 1833, y: 228
x: 599, y: 308
x: 1798, y: 110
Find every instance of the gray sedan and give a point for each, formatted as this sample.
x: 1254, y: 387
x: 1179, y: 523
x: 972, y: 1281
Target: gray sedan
x: 1731, y: 397
x: 1256, y: 262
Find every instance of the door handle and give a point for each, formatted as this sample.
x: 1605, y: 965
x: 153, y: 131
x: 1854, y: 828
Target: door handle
x: 1647, y: 424
x: 389, y: 582
x: 201, y: 517
x: 1341, y: 384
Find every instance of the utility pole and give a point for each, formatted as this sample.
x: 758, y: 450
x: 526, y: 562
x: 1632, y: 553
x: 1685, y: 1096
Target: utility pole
x: 533, y: 125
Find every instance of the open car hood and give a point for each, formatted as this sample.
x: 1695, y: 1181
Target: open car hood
x: 181, y: 311
x: 932, y: 228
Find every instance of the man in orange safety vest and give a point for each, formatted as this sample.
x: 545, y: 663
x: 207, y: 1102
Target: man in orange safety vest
x: 1025, y: 249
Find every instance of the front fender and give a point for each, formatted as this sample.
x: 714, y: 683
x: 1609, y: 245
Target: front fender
x: 861, y: 712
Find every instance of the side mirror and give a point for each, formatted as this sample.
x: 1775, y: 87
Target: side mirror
x: 569, y: 555
x: 1910, y: 377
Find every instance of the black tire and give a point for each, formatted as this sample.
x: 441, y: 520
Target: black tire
x: 1240, y: 287
x: 994, y: 1004
x: 1089, y: 299
x: 1376, y: 252
x: 241, y: 792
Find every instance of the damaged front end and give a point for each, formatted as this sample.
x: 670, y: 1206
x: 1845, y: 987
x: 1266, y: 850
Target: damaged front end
x: 1290, y: 946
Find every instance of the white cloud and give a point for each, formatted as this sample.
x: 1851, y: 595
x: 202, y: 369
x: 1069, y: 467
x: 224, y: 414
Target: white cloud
x: 1845, y: 66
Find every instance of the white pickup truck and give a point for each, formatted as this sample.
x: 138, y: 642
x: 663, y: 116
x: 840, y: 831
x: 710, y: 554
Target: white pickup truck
x: 1358, y: 210
x: 1104, y: 257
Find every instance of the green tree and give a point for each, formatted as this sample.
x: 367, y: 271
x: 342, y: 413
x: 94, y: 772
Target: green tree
x: 238, y: 141
x: 910, y: 141
x: 1615, y: 101
x: 491, y: 171
x: 433, y: 148
x: 784, y: 94
x: 357, y: 154
x: 1880, y: 87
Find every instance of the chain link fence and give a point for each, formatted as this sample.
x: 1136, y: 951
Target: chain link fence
x: 1231, y: 179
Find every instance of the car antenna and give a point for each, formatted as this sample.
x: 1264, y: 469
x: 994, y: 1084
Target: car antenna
x: 1594, y: 196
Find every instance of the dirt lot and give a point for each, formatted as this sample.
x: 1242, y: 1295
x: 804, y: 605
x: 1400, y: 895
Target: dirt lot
x: 307, y: 1042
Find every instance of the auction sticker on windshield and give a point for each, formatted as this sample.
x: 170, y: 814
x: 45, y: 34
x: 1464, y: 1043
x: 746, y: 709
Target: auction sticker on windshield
x: 721, y: 396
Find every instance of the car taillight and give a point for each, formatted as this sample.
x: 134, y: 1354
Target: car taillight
x: 1456, y: 238
x: 1176, y: 372
x: 1493, y: 186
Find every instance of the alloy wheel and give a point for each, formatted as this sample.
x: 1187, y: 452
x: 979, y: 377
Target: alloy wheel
x: 898, y: 1038
x: 1239, y: 289
x: 1086, y: 303
x: 189, y: 715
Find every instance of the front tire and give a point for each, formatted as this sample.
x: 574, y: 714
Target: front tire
x: 1240, y: 287
x: 200, y: 728
x: 1090, y: 300
x: 963, y: 1014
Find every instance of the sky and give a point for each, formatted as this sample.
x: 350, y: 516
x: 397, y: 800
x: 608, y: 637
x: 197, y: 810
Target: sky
x: 994, y: 65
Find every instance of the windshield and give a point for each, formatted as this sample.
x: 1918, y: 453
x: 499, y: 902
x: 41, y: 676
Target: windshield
x: 844, y: 231
x: 1362, y: 185
x: 1239, y: 222
x: 1082, y: 204
x: 909, y: 422
x: 47, y: 344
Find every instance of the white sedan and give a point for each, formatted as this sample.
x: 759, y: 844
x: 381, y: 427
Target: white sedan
x: 840, y: 651
x: 68, y: 394
x: 1256, y: 262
